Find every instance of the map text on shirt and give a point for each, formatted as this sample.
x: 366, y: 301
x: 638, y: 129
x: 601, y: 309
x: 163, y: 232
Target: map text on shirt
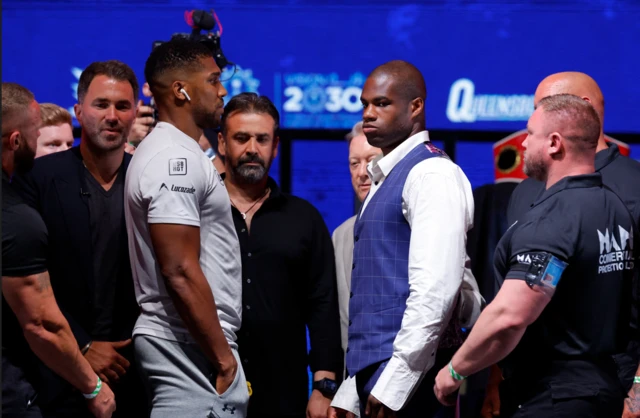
x: 614, y: 256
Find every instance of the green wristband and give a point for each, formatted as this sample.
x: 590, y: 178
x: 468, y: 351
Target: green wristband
x: 454, y: 374
x: 636, y: 379
x: 95, y: 391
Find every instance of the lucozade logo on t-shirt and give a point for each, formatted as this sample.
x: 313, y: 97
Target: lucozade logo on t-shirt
x: 179, y: 189
x: 615, y: 256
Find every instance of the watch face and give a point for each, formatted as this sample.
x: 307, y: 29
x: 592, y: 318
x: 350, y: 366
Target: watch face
x: 329, y: 386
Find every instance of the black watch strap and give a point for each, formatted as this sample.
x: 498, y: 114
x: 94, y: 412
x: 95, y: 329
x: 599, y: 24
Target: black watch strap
x: 327, y: 387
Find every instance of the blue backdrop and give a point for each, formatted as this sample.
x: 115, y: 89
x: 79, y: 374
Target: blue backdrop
x: 481, y: 59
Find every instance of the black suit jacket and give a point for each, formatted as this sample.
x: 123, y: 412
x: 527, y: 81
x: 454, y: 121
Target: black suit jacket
x: 54, y: 188
x: 489, y: 224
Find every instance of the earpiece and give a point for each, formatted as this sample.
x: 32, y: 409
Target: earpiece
x: 185, y: 93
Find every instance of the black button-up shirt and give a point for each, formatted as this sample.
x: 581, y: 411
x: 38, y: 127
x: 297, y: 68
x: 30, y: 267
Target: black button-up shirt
x: 288, y: 284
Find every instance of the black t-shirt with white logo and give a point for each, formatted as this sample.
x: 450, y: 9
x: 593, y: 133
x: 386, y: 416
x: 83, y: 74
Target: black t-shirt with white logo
x: 584, y: 224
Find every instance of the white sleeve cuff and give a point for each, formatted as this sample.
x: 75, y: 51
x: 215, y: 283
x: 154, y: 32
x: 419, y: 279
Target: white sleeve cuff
x: 396, y: 383
x: 347, y: 397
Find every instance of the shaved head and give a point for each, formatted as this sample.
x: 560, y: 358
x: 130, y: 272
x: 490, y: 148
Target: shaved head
x: 405, y: 78
x: 574, y: 83
x: 393, y: 99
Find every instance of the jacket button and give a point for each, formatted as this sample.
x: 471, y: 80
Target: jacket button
x: 348, y: 349
x: 357, y: 238
x: 350, y: 323
x: 351, y: 294
x: 353, y: 266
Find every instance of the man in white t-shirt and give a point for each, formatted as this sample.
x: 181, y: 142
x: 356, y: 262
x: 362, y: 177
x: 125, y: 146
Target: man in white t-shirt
x: 184, y: 249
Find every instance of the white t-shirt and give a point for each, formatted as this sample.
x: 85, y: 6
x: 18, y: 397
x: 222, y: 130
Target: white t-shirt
x: 171, y: 181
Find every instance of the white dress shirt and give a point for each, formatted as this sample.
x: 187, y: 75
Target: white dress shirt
x: 437, y: 202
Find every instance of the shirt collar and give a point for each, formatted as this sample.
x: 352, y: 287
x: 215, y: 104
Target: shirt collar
x: 210, y: 153
x: 179, y: 135
x: 381, y: 166
x: 571, y: 182
x: 276, y: 192
x: 275, y: 189
x: 606, y: 156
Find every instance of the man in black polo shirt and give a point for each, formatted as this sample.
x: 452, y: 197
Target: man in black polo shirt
x: 288, y: 273
x: 621, y: 174
x: 566, y: 265
x: 34, y: 331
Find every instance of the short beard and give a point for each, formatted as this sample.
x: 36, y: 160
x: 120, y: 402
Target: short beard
x: 535, y: 169
x: 251, y: 174
x: 205, y: 120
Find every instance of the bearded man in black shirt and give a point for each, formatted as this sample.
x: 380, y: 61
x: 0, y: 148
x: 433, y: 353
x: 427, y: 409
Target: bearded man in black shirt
x: 288, y: 267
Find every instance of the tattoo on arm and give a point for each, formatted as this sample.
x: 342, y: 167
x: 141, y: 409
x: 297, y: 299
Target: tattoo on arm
x: 43, y: 282
x: 633, y: 401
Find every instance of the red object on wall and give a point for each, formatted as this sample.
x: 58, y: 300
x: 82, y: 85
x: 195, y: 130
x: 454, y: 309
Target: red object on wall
x: 508, y: 156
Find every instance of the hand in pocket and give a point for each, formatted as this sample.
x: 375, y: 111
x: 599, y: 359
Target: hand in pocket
x: 225, y: 377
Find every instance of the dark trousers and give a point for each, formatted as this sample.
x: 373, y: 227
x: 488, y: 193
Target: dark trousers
x: 130, y: 393
x: 18, y: 395
x: 423, y: 403
x: 131, y: 401
x: 577, y: 389
x: 627, y: 364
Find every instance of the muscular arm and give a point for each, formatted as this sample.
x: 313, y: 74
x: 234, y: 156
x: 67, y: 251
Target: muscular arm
x: 29, y: 186
x: 177, y: 248
x: 46, y: 330
x: 496, y: 333
x: 500, y: 327
x: 632, y: 402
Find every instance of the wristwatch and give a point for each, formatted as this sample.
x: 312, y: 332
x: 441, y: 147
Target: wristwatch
x: 327, y: 387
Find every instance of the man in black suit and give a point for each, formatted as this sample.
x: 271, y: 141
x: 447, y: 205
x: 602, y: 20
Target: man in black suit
x: 80, y: 195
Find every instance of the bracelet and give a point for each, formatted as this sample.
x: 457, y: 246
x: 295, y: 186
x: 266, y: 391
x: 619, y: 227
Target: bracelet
x: 95, y: 391
x: 454, y: 374
x: 86, y: 348
x: 636, y: 379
